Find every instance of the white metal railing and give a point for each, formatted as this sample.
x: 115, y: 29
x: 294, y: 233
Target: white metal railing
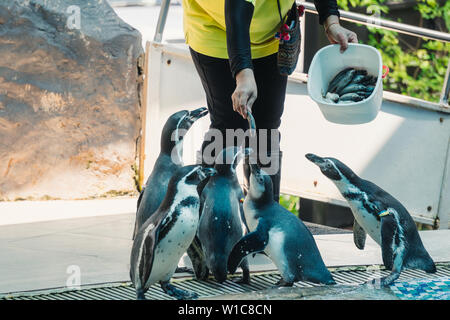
x: 355, y: 18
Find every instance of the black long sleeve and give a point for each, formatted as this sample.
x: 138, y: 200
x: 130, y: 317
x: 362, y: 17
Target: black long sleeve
x: 238, y: 16
x: 326, y: 8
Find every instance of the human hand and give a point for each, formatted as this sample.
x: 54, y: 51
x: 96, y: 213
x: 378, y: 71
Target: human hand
x: 338, y: 34
x: 245, y: 93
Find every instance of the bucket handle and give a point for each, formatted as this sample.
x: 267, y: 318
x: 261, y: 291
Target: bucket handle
x: 386, y: 68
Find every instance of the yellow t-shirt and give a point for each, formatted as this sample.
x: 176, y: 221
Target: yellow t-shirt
x: 204, y: 26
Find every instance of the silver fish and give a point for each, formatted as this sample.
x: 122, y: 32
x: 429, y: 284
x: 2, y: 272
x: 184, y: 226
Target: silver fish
x: 370, y: 81
x: 359, y: 78
x: 334, y: 97
x: 351, y: 97
x: 352, y: 88
x: 364, y: 94
x: 359, y: 72
x: 251, y: 123
x: 346, y: 79
x: 334, y: 82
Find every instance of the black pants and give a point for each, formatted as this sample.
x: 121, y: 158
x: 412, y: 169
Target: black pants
x: 219, y: 85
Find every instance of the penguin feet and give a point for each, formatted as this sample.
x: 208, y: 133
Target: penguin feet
x: 283, y: 283
x: 140, y: 295
x: 198, y: 260
x: 245, y: 279
x: 381, y: 282
x: 184, y: 270
x: 242, y: 280
x: 178, y: 294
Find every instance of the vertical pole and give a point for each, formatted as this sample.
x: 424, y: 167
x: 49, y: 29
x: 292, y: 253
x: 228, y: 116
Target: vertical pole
x: 161, y: 20
x: 301, y: 59
x: 143, y: 117
x: 446, y: 87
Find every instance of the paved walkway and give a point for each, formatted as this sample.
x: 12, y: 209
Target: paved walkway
x: 39, y: 255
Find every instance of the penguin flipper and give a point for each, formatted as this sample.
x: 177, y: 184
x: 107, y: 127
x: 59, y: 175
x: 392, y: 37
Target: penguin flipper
x: 359, y: 235
x: 177, y: 293
x: 393, y: 258
x: 198, y: 260
x: 255, y: 241
x: 136, y: 227
x: 388, y: 232
x: 141, y: 264
x: 140, y: 198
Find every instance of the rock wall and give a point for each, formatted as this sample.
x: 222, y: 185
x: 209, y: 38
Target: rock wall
x: 69, y: 100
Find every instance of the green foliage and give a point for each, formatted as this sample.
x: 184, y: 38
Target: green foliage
x: 418, y: 70
x: 290, y: 203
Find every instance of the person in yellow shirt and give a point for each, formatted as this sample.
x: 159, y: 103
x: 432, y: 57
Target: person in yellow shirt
x: 234, y: 50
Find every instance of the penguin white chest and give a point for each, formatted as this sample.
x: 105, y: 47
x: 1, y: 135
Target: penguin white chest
x: 359, y: 203
x: 276, y: 252
x: 250, y: 215
x: 366, y: 220
x: 174, y: 244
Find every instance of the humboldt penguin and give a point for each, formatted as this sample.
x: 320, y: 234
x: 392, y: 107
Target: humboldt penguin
x: 380, y: 215
x: 168, y: 161
x: 164, y: 237
x: 222, y: 222
x: 278, y: 233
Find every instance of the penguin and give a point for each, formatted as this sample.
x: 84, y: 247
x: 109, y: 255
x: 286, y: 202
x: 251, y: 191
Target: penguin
x: 380, y: 215
x: 168, y: 161
x: 279, y: 234
x: 164, y: 237
x: 222, y: 222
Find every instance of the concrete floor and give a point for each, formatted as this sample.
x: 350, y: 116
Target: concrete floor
x: 39, y: 255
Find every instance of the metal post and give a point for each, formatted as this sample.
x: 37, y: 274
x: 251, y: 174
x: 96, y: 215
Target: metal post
x: 161, y: 20
x: 446, y: 88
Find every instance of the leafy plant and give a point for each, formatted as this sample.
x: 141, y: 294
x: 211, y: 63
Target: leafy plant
x: 419, y: 70
x: 290, y: 203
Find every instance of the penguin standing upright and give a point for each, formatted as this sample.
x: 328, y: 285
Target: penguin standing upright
x: 280, y: 234
x: 222, y: 222
x: 168, y: 161
x: 164, y: 237
x: 380, y: 215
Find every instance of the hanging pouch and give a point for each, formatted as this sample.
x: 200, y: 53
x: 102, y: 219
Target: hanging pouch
x: 290, y: 39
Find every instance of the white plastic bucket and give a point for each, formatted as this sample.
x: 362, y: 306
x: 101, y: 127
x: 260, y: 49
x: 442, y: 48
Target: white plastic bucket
x: 327, y: 63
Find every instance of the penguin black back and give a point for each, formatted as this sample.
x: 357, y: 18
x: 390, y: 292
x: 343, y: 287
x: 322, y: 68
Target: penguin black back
x: 380, y: 215
x: 222, y: 222
x: 280, y: 234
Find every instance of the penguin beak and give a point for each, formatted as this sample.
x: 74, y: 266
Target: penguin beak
x: 314, y: 159
x: 205, y: 172
x: 198, y: 113
x: 247, y: 151
x: 255, y: 169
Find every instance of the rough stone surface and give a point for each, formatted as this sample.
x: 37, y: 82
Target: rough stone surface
x: 69, y: 100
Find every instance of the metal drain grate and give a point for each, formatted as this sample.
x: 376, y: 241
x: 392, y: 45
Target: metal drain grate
x: 209, y: 288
